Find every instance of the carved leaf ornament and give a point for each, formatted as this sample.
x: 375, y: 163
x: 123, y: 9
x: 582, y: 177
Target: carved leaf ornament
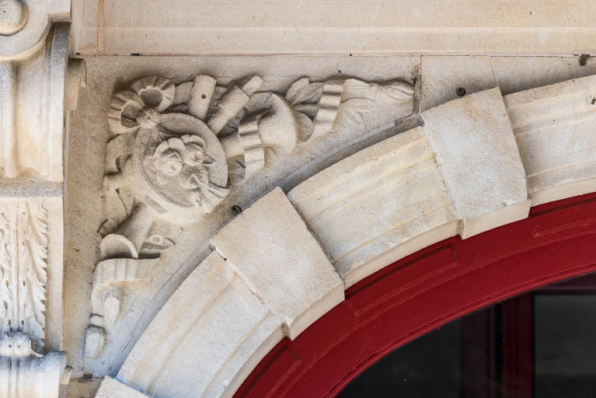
x: 23, y: 276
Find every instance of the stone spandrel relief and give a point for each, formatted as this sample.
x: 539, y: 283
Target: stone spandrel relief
x: 177, y: 150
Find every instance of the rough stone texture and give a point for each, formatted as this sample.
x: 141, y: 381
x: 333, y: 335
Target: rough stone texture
x: 516, y: 74
x: 33, y: 64
x: 378, y: 205
x: 32, y: 146
x: 87, y: 146
x: 36, y: 224
x: 270, y: 246
x: 555, y: 129
x: 353, y: 255
x: 83, y: 388
x: 463, y: 164
x: 112, y: 388
x: 13, y: 16
x: 442, y: 76
x: 479, y: 159
x: 227, y: 314
x: 206, y: 339
x: 22, y: 35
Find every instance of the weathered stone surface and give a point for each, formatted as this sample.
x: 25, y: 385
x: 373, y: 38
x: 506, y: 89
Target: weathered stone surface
x: 555, y: 129
x: 33, y: 146
x: 31, y: 236
x: 33, y: 59
x: 378, y: 205
x: 173, y: 158
x: 442, y: 76
x: 516, y: 74
x: 112, y: 388
x: 295, y: 115
x: 207, y: 337
x: 479, y: 159
x: 335, y: 27
x: 24, y: 25
x: 90, y: 131
x: 13, y: 16
x: 271, y: 247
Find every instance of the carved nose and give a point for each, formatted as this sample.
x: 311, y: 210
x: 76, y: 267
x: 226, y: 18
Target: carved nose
x: 194, y: 181
x: 189, y: 179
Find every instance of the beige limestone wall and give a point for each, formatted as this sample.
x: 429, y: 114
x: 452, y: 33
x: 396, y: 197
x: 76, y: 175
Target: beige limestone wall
x: 332, y: 27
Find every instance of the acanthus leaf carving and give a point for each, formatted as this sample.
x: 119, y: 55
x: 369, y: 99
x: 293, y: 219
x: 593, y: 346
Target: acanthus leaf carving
x: 6, y: 294
x: 33, y: 241
x: 23, y: 263
x: 23, y: 279
x: 35, y: 95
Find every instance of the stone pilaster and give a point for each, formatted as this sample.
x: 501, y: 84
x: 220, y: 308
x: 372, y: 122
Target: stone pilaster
x: 33, y: 66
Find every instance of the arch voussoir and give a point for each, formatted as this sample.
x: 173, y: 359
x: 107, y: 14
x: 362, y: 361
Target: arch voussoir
x: 475, y: 164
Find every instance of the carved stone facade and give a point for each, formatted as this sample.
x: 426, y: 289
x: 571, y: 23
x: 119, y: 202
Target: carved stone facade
x: 33, y: 107
x: 177, y: 150
x: 191, y: 209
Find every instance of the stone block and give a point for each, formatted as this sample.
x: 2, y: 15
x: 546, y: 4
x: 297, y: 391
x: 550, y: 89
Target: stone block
x: 271, y: 247
x: 478, y: 156
x: 443, y: 76
x: 555, y: 129
x: 516, y: 74
x: 378, y: 205
x: 207, y: 337
x: 112, y: 388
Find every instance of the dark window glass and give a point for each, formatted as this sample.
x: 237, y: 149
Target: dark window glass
x: 427, y: 367
x: 539, y: 345
x: 565, y: 345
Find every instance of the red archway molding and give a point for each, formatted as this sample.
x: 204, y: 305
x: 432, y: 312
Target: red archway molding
x: 426, y: 290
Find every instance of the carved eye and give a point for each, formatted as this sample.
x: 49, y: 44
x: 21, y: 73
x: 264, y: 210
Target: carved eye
x: 194, y: 155
x: 169, y: 162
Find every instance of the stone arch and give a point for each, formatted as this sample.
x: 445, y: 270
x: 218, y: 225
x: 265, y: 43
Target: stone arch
x: 476, y: 164
x: 424, y: 291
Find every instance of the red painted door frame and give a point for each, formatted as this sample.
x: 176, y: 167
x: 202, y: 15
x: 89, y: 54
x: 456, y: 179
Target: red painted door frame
x: 518, y: 347
x: 428, y: 289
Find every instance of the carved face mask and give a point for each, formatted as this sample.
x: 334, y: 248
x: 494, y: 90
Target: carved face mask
x: 184, y: 160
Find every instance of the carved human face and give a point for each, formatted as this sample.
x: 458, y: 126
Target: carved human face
x: 183, y: 160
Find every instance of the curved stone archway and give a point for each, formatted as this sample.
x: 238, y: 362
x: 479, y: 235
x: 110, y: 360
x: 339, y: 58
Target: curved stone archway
x: 425, y: 291
x: 475, y: 164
